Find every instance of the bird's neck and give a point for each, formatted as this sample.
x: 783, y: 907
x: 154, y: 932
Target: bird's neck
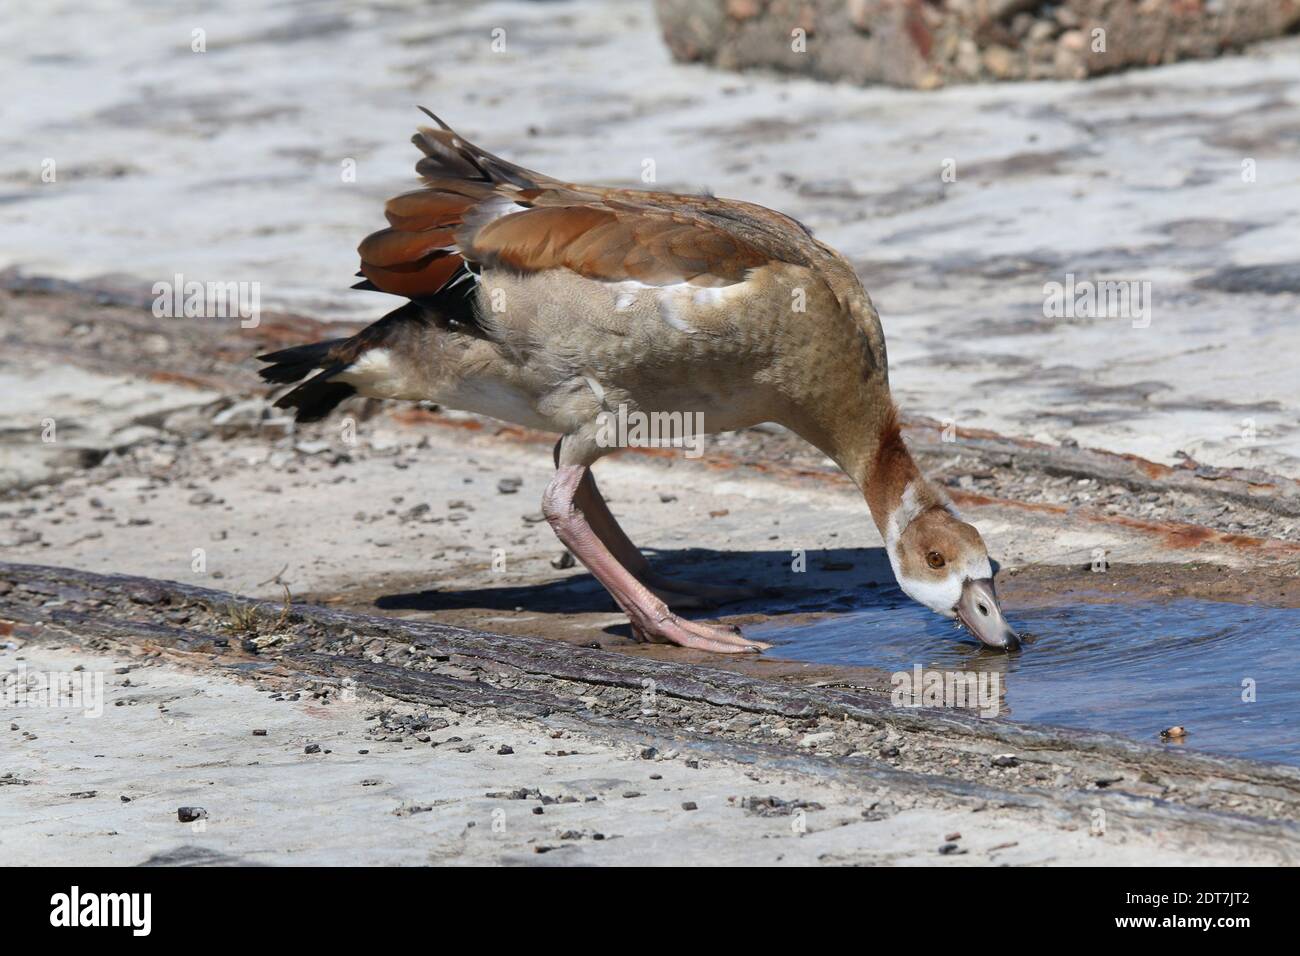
x: 877, y: 459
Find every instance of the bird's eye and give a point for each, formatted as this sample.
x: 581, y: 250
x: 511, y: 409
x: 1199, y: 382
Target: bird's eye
x: 934, y: 559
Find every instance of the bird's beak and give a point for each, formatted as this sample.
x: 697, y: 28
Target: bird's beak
x: 978, y: 610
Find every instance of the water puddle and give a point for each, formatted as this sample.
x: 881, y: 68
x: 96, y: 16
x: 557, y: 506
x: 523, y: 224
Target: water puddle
x: 1132, y: 669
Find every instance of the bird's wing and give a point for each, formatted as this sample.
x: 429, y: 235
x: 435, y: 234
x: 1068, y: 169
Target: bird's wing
x: 479, y: 211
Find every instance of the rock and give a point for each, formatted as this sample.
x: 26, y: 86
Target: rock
x: 509, y: 486
x: 816, y: 740
x: 1000, y: 62
x: 133, y: 435
x: 311, y: 749
x: 771, y: 806
x: 563, y: 561
x: 1005, y: 760
x: 689, y: 805
x: 190, y: 814
x: 924, y: 45
x: 242, y: 416
x: 1072, y: 40
x: 743, y: 9
x: 146, y: 594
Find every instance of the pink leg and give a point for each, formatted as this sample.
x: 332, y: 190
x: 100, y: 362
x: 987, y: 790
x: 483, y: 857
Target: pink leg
x: 676, y: 592
x: 651, y: 620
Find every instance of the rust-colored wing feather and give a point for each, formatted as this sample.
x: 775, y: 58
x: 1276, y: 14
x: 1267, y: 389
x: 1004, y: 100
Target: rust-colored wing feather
x: 479, y: 211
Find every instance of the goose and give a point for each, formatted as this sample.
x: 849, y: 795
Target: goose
x: 552, y: 305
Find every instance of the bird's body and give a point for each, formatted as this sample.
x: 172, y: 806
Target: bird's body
x: 563, y: 308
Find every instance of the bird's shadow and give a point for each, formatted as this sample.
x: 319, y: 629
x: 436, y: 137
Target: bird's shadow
x: 827, y: 580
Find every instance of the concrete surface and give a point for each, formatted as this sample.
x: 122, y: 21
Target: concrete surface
x: 82, y: 791
x: 227, y: 165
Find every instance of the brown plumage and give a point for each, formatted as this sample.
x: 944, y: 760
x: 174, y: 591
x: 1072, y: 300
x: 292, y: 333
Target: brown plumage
x: 553, y: 305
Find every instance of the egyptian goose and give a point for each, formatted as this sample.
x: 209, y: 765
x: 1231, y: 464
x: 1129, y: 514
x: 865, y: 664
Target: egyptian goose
x: 550, y: 304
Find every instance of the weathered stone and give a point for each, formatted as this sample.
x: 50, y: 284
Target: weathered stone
x: 928, y: 43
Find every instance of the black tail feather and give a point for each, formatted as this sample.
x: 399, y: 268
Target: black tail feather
x: 318, y: 396
x: 291, y: 365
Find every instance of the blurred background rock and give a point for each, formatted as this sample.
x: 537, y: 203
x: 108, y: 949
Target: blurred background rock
x: 929, y: 43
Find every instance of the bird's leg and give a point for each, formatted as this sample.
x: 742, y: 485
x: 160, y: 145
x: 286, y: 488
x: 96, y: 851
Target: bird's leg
x: 675, y: 591
x: 650, y: 617
x: 606, y: 527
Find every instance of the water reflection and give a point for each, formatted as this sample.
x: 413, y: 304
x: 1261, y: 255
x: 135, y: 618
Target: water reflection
x: 1227, y: 672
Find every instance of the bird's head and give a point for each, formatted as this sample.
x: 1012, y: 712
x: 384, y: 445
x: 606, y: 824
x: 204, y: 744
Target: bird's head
x: 940, y: 561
